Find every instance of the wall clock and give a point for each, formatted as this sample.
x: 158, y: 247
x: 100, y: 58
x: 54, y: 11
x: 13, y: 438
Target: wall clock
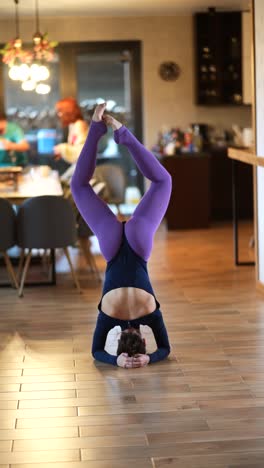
x: 169, y: 71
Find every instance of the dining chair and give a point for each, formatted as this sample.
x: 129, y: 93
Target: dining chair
x: 46, y: 222
x: 114, y: 178
x: 7, y: 236
x: 84, y: 233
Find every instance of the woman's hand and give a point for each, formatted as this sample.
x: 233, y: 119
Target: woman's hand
x: 124, y: 361
x: 140, y: 360
x: 57, y: 152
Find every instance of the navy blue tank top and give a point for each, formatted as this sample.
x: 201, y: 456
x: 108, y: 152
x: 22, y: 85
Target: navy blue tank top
x: 127, y: 269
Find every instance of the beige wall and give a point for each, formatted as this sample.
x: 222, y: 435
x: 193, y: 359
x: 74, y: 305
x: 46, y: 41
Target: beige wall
x: 163, y: 38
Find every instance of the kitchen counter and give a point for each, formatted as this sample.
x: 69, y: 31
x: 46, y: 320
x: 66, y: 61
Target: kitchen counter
x: 189, y: 206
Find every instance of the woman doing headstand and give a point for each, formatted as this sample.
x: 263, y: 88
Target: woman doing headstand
x: 128, y: 299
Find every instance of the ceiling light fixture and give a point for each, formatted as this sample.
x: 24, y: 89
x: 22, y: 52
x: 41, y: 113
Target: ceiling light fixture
x: 42, y: 88
x: 29, y: 65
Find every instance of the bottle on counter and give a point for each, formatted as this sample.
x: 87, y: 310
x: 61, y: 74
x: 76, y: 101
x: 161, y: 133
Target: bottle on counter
x: 188, y: 141
x: 161, y: 142
x: 197, y: 139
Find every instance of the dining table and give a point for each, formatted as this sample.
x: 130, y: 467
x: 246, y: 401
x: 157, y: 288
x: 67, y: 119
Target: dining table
x: 28, y: 182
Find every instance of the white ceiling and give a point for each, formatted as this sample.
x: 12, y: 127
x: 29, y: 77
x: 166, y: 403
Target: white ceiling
x: 117, y: 7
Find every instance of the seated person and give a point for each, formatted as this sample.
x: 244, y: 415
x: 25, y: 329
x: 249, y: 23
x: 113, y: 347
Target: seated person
x: 13, y: 145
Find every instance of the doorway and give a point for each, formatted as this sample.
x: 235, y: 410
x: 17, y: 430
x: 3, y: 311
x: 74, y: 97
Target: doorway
x: 107, y: 71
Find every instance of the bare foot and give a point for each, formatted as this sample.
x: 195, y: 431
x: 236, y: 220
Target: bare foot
x: 98, y: 112
x: 109, y: 120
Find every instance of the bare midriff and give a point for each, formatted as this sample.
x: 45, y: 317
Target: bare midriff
x: 128, y: 303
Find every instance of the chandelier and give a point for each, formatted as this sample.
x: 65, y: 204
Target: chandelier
x: 29, y: 66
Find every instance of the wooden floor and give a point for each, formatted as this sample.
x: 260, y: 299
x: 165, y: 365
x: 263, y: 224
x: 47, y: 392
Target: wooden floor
x: 204, y: 407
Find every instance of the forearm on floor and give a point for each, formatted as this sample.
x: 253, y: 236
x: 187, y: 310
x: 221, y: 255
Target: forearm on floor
x: 162, y: 340
x: 103, y: 356
x: 159, y: 355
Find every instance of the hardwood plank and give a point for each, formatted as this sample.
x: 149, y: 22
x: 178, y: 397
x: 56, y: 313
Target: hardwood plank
x: 9, y: 388
x: 66, y: 421
x: 135, y: 408
x: 112, y: 430
x: 49, y: 371
x: 246, y: 424
x: 122, y: 463
x: 182, y: 426
x: 79, y: 442
x: 88, y: 386
x: 5, y: 446
x: 175, y: 450
x: 10, y: 373
x: 232, y: 403
x: 45, y: 456
x: 38, y: 378
x: 7, y: 423
x: 11, y: 404
x: 42, y: 433
x: 167, y: 438
x: 74, y: 402
x: 247, y: 460
x: 38, y: 413
x: 194, y: 396
x: 58, y: 362
x: 31, y: 396
x: 114, y: 453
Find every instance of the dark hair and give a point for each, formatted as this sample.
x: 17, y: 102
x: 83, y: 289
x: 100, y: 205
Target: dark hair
x: 131, y: 342
x: 2, y: 115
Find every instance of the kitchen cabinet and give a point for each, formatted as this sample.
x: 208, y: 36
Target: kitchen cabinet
x: 189, y: 206
x: 218, y: 50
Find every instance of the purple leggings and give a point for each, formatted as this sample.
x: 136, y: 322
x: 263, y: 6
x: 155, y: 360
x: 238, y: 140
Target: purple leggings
x: 141, y: 227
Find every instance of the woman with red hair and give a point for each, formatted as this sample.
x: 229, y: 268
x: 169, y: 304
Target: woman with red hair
x: 70, y: 115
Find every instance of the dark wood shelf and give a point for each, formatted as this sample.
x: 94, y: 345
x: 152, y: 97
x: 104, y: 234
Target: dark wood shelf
x: 218, y: 53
